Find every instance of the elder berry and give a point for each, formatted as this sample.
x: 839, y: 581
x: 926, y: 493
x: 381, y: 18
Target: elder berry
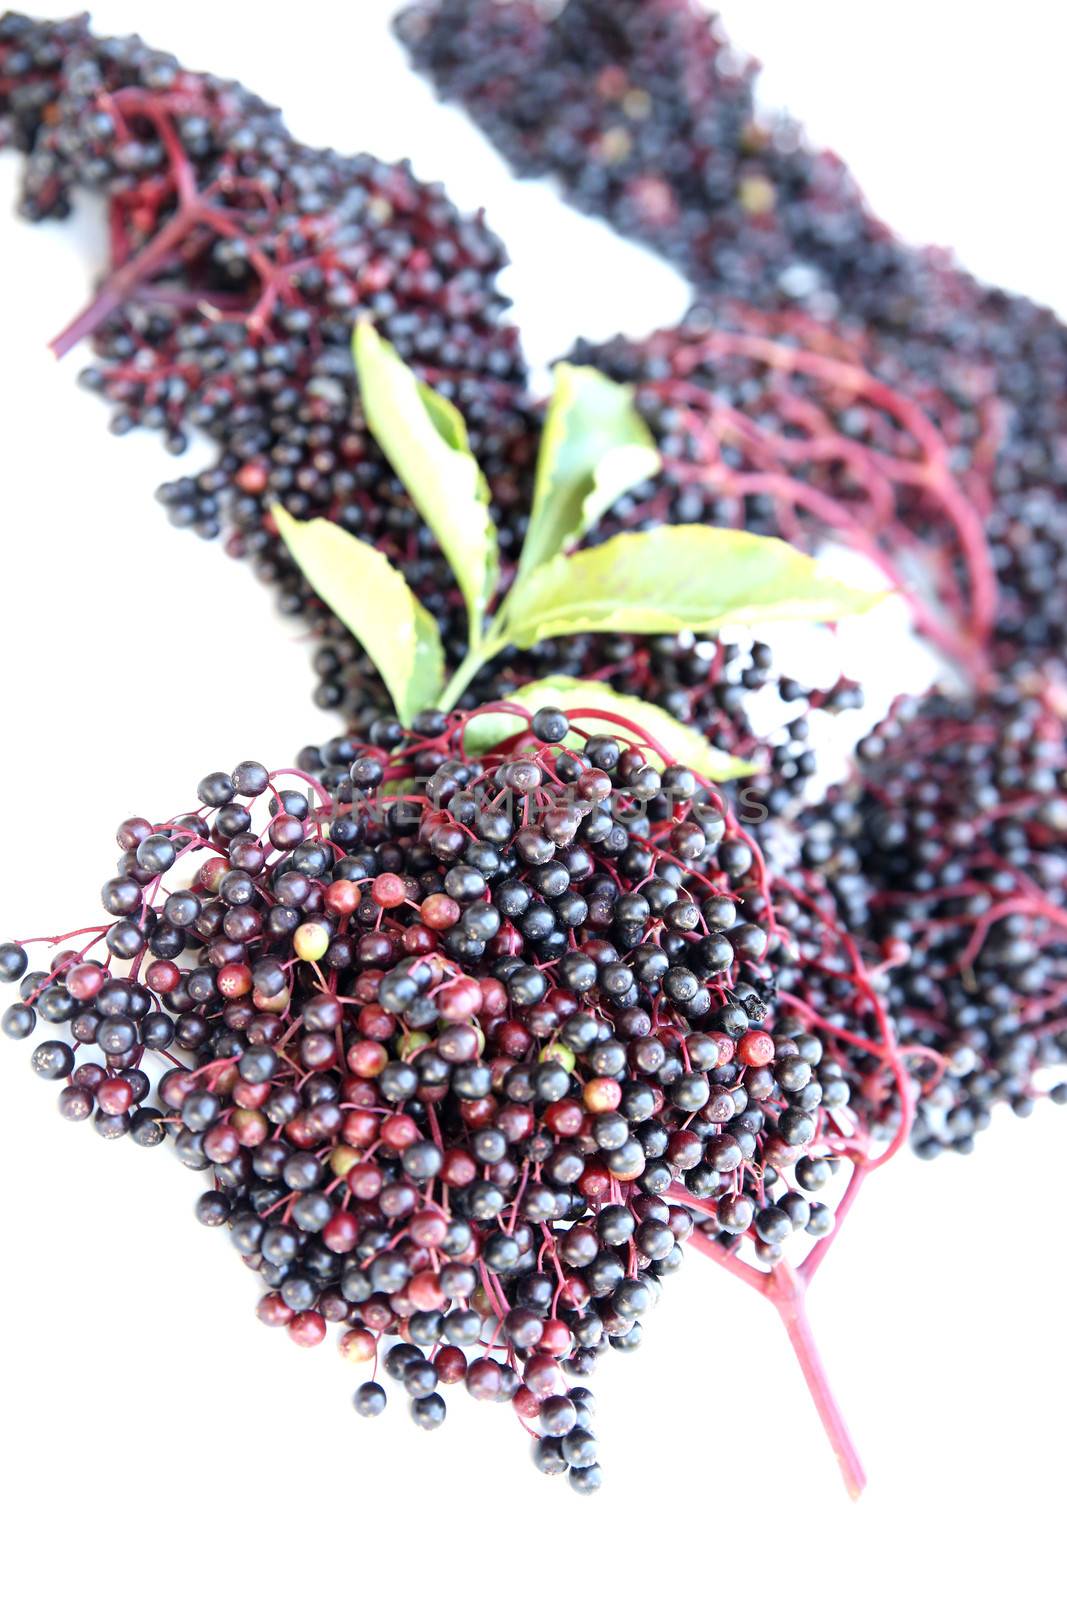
x: 369, y: 1399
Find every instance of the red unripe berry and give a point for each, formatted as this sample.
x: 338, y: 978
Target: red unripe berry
x: 439, y: 911
x: 424, y: 1291
x: 358, y: 1092
x: 273, y: 1310
x: 221, y: 1143
x: 680, y: 1222
x: 478, y: 1113
x: 460, y: 1000
x: 210, y: 874
x: 514, y: 1040
x: 602, y: 1094
x: 543, y: 1376
x: 359, y: 1128
x: 366, y: 1058
x: 357, y: 1344
x: 755, y: 1049
x: 417, y: 940
x: 782, y: 1156
x: 428, y: 1228
x: 595, y: 1182
x: 250, y: 1096
x: 526, y: 1403
x: 515, y: 1122
x: 555, y: 1337
x: 365, y: 1181
x: 376, y: 1023
x: 366, y: 985
x: 234, y: 980
x: 300, y: 1132
x: 115, y: 1096
x: 307, y: 1328
x: 85, y: 980
x: 565, y: 1118
x: 458, y: 1169
x: 378, y: 1314
x: 494, y: 997
x: 224, y: 1079
x: 341, y: 1232
x: 253, y: 477
x: 450, y: 1364
x: 399, y: 1131
x: 162, y: 977
x: 342, y: 897
x: 249, y: 1124
x: 388, y: 890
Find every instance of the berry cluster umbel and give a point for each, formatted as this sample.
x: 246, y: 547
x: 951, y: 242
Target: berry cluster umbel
x: 945, y: 856
x: 466, y: 1061
x: 239, y: 258
x: 647, y: 114
x: 193, y: 341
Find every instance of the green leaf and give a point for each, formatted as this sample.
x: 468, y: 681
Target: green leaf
x: 375, y: 604
x: 602, y: 708
x: 425, y: 440
x: 674, y: 578
x: 594, y: 448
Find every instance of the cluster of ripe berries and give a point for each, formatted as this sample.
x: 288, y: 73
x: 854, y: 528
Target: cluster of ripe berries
x: 646, y: 113
x: 777, y: 423
x: 945, y: 853
x: 832, y: 377
x: 465, y: 1049
x: 287, y: 241
x: 238, y: 259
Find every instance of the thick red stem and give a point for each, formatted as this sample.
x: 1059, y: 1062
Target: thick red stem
x: 786, y: 1292
x: 121, y: 284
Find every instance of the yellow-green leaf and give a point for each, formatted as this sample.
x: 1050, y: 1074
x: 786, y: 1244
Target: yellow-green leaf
x: 594, y: 447
x: 675, y: 578
x: 375, y: 604
x: 601, y: 708
x: 425, y: 440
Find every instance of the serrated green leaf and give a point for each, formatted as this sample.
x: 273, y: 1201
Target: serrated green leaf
x: 594, y: 448
x: 425, y: 440
x: 674, y: 578
x: 374, y: 602
x: 601, y: 709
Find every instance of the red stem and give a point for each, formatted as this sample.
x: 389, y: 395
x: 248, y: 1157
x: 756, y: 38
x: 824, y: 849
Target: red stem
x: 786, y: 1290
x: 121, y: 284
x: 787, y: 1296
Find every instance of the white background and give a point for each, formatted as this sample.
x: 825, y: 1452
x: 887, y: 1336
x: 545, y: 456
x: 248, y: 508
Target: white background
x: 162, y: 1441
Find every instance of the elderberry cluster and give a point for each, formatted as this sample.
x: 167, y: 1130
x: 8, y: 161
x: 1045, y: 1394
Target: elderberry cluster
x: 945, y: 854
x: 647, y: 115
x: 779, y: 424
x: 465, y: 1048
x: 239, y: 260
x: 173, y: 352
